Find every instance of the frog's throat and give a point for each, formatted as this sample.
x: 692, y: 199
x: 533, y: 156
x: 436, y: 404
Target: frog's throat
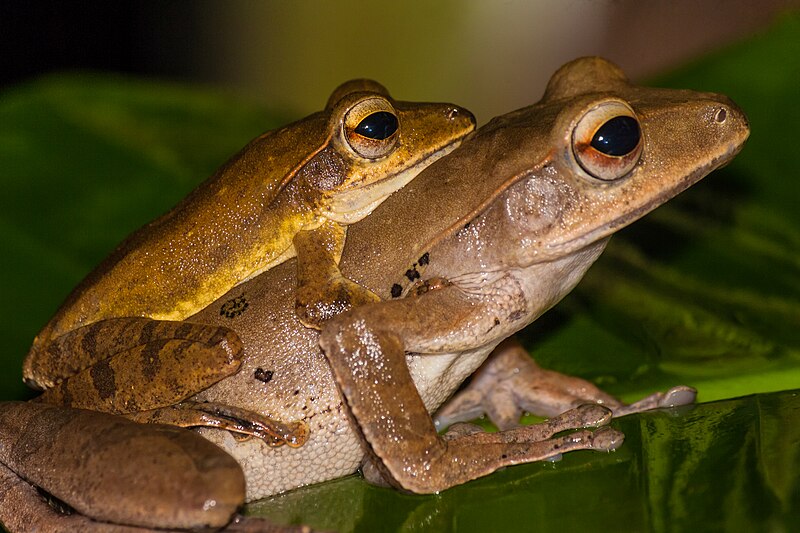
x: 351, y: 206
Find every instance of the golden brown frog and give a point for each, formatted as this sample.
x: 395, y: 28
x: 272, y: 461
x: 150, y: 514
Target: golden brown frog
x: 291, y: 191
x: 523, y: 208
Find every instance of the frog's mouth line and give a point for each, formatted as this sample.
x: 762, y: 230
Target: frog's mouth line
x: 351, y: 206
x: 565, y: 247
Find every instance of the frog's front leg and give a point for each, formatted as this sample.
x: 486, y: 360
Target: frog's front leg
x: 366, y: 349
x: 510, y: 383
x: 322, y: 291
x: 145, y: 369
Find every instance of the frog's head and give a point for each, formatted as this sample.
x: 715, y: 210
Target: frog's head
x: 378, y: 144
x: 614, y: 153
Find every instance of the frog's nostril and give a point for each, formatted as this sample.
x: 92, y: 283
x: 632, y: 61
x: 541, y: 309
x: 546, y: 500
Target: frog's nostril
x: 721, y: 115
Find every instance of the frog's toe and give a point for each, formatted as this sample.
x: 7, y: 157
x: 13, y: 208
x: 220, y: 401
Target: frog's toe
x: 680, y: 395
x: 607, y: 439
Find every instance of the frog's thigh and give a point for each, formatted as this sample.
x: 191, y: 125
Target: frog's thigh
x: 322, y: 291
x: 23, y: 508
x: 66, y: 355
x: 118, y: 471
x: 366, y: 352
x: 157, y: 364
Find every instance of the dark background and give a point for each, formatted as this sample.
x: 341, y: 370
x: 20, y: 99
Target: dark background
x: 487, y: 56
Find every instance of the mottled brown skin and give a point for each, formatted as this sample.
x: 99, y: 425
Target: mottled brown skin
x: 474, y: 249
x: 304, y: 178
x: 80, y: 442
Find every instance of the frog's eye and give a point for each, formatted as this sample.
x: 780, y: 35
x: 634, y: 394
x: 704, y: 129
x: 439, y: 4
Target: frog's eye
x: 607, y: 142
x: 371, y: 127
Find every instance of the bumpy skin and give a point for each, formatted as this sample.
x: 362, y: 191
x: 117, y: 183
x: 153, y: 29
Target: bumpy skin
x: 478, y: 246
x: 304, y: 177
x: 505, y: 226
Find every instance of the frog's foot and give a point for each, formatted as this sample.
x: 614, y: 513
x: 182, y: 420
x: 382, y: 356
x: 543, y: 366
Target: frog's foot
x: 316, y: 303
x: 538, y: 442
x: 240, y: 422
x: 510, y: 383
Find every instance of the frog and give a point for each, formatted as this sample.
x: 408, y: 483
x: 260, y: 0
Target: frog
x: 290, y: 192
x: 475, y: 248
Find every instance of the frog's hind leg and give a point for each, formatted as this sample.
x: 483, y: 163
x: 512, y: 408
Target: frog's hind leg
x: 510, y: 383
x: 143, y: 364
x: 153, y: 368
x: 23, y: 508
x: 113, y: 470
x: 368, y: 357
x: 54, y: 360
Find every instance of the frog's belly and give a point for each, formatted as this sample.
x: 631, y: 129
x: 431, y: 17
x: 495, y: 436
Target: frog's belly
x: 300, y: 387
x: 284, y: 376
x: 333, y: 450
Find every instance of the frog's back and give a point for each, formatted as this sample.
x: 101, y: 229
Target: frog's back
x: 232, y: 226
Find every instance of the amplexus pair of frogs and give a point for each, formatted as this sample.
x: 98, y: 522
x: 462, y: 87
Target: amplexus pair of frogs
x: 303, y: 355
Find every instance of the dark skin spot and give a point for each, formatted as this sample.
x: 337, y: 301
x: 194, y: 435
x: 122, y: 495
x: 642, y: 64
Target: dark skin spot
x: 262, y: 375
x: 234, y: 307
x: 151, y: 359
x: 425, y: 259
x: 412, y: 274
x: 183, y: 331
x: 103, y: 379
x: 89, y: 341
x: 397, y: 290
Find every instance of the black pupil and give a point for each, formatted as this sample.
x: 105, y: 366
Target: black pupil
x: 617, y: 137
x: 379, y: 126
